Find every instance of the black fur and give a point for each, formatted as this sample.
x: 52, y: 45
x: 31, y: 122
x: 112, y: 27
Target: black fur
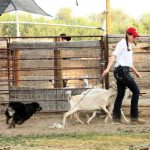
x: 20, y: 112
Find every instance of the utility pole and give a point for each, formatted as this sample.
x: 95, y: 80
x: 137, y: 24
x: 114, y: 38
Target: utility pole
x: 108, y: 26
x: 108, y: 31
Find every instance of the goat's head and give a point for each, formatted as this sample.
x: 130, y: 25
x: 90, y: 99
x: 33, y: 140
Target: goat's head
x: 65, y: 82
x: 68, y: 93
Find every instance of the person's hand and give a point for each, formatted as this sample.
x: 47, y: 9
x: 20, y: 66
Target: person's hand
x: 138, y: 75
x: 105, y: 72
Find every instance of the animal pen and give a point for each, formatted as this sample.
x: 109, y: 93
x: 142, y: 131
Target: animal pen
x: 42, y: 69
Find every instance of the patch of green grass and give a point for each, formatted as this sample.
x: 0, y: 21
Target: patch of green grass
x: 75, y: 141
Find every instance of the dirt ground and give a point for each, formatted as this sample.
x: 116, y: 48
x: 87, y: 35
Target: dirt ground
x: 39, y: 124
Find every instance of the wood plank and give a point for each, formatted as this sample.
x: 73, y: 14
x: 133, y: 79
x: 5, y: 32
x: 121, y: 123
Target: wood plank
x: 53, y: 45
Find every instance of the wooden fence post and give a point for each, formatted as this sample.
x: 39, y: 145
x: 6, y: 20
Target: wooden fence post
x: 16, y: 68
x: 58, y: 82
x: 106, y: 58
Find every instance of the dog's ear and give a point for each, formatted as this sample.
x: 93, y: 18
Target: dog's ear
x: 36, y: 106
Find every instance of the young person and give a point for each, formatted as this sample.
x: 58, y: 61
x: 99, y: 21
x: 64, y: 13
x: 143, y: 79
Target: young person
x: 124, y: 62
x: 64, y: 37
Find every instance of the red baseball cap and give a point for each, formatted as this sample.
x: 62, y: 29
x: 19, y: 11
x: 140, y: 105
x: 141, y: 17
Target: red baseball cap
x: 132, y: 31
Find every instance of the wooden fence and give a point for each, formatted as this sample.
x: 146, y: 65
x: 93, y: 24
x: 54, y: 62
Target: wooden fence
x: 29, y: 65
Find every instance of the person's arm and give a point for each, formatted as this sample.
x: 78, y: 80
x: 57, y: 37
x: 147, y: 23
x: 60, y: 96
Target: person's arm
x: 136, y: 72
x: 111, y: 61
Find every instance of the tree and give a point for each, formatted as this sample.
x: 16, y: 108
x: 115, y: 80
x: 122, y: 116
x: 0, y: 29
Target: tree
x: 119, y: 21
x: 64, y: 14
x: 145, y: 21
x: 8, y: 29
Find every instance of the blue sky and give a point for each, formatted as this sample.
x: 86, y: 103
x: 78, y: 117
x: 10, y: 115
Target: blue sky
x: 134, y: 8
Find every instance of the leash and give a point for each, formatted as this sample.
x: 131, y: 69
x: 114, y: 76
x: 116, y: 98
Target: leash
x: 87, y: 92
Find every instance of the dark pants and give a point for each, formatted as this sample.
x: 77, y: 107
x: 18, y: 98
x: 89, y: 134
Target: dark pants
x: 124, y: 79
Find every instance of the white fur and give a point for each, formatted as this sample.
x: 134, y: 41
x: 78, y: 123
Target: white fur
x: 91, y: 102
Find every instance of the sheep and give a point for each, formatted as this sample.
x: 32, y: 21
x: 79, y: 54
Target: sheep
x: 110, y: 103
x: 64, y: 82
x: 51, y: 83
x: 91, y: 102
x: 93, y: 91
x: 87, y: 92
x: 86, y: 84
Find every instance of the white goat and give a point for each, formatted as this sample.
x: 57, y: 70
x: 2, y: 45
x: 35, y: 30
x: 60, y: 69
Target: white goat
x: 110, y: 104
x: 91, y: 102
x: 86, y: 84
x: 52, y: 81
x: 93, y: 91
x: 87, y: 92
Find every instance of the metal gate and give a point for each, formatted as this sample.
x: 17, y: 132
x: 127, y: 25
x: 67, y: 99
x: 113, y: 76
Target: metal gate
x: 43, y: 69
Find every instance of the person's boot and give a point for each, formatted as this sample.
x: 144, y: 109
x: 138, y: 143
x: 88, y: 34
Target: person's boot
x: 116, y: 118
x: 117, y: 121
x: 137, y: 121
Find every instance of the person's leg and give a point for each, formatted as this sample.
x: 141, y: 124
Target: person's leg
x: 131, y: 84
x: 121, y: 87
x: 134, y: 100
